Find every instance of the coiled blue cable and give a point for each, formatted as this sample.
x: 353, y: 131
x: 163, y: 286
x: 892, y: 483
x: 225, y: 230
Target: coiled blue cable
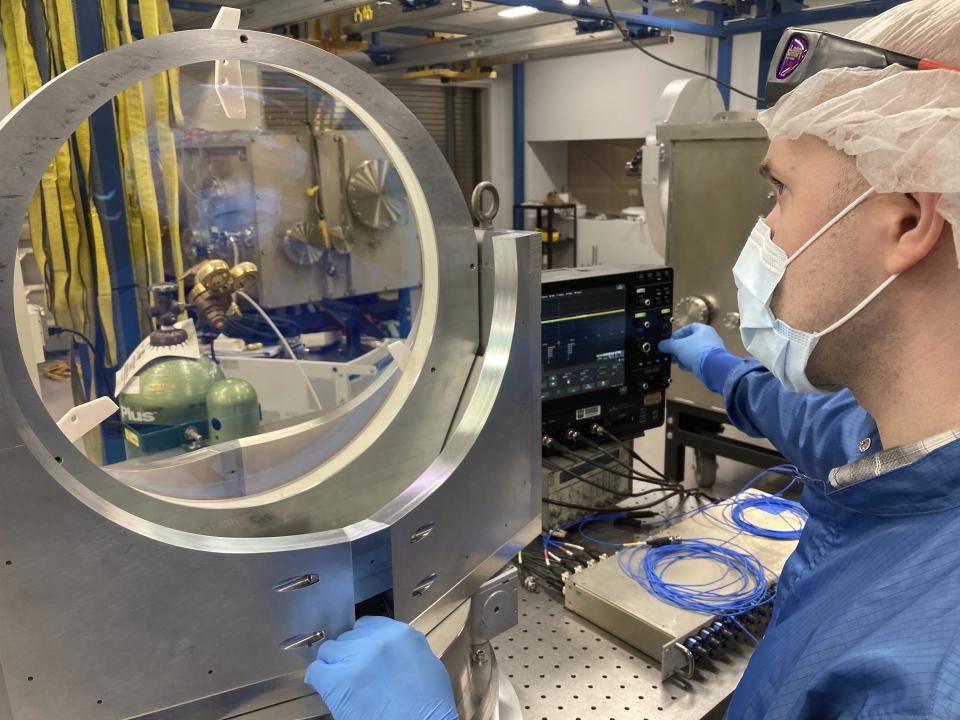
x: 773, y: 505
x: 741, y: 587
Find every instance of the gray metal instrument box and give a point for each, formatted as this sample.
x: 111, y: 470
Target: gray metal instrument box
x: 606, y: 596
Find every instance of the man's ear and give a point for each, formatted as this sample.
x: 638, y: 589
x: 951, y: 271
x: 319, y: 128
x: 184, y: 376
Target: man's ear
x: 915, y: 228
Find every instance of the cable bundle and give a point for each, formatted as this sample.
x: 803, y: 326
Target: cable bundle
x: 740, y: 588
x: 774, y: 505
x: 253, y: 328
x: 742, y: 585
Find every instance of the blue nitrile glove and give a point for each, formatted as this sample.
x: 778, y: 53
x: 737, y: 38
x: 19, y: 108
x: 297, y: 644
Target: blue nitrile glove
x: 382, y: 670
x: 690, y: 345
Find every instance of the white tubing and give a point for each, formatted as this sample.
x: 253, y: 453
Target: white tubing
x: 286, y: 346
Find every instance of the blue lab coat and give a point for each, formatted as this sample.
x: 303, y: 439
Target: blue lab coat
x: 867, y: 615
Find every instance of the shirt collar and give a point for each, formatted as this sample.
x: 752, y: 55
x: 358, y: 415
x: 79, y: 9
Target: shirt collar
x: 888, y: 460
x: 913, y: 479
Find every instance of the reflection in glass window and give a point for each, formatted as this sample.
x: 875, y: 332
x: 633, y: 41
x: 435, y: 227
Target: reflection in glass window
x: 270, y: 259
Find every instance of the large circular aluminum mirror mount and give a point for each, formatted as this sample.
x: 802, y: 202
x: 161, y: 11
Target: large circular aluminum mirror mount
x: 322, y: 500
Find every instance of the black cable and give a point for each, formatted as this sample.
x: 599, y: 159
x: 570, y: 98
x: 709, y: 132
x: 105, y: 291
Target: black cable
x: 583, y: 478
x: 555, y: 568
x: 553, y: 583
x: 593, y: 483
x: 628, y: 510
x: 633, y: 474
x: 57, y: 330
x: 603, y: 451
x: 576, y: 551
x: 597, y: 427
x: 533, y: 564
x: 253, y: 328
x: 700, y: 494
x: 633, y: 454
x: 641, y: 48
x: 100, y: 374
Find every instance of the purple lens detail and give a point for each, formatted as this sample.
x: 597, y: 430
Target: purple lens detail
x: 792, y: 57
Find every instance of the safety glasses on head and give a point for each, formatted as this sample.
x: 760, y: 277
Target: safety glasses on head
x: 802, y: 53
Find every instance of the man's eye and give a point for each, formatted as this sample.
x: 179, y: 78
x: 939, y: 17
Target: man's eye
x: 777, y: 187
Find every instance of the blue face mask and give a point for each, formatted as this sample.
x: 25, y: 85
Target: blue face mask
x: 783, y: 350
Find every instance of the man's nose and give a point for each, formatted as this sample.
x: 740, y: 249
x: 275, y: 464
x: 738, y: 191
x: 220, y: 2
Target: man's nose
x: 772, y: 220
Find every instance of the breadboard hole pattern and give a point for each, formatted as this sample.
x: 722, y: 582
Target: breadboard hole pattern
x: 565, y: 668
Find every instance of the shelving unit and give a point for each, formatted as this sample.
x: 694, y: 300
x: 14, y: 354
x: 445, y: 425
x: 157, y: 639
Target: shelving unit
x: 546, y: 217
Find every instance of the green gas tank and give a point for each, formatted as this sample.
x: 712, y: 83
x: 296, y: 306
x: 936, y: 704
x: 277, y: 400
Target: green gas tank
x: 165, y: 405
x: 233, y: 409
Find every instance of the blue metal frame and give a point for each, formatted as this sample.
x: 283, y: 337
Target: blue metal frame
x: 38, y: 32
x: 587, y: 12
x: 200, y: 7
x: 851, y: 11
x: 724, y: 68
x: 768, y: 18
x: 108, y: 194
x: 407, y: 30
x: 380, y: 54
x: 519, y: 144
x: 724, y: 58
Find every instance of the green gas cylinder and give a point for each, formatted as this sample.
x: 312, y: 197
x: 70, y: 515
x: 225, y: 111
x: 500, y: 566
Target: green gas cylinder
x: 165, y: 405
x: 233, y: 409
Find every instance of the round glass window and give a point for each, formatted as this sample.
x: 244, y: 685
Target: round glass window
x: 241, y: 274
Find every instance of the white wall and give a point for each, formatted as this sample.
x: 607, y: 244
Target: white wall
x: 600, y: 96
x: 608, y: 95
x: 497, y: 129
x: 605, y: 95
x: 546, y: 168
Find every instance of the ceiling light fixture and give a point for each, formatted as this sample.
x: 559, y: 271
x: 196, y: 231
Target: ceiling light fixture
x: 518, y: 11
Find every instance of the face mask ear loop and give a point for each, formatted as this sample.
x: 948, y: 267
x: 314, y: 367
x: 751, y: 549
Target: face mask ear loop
x: 837, y: 218
x: 860, y: 306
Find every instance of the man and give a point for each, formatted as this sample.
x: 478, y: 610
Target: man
x: 851, y: 282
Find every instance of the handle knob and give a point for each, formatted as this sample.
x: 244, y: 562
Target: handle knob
x: 692, y: 309
x: 297, y: 583
x: 731, y: 321
x: 305, y: 640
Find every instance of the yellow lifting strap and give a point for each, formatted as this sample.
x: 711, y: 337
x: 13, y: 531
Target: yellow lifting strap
x: 150, y: 18
x: 139, y: 147
x: 15, y: 84
x: 57, y: 256
x: 74, y: 228
x: 166, y: 26
x: 80, y: 271
x: 66, y: 25
x: 138, y: 252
